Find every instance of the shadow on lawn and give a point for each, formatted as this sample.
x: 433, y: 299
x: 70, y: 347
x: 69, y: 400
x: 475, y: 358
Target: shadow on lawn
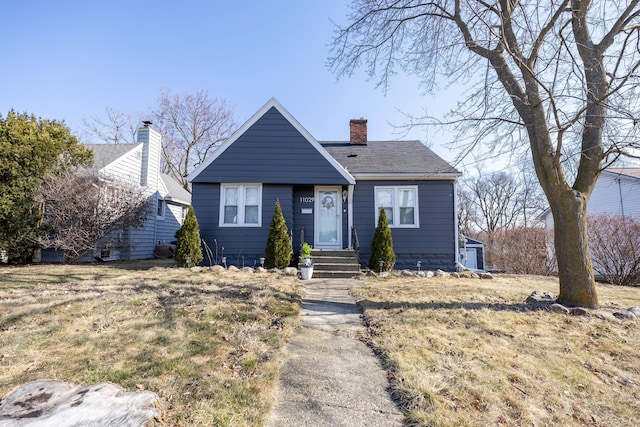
x: 434, y: 305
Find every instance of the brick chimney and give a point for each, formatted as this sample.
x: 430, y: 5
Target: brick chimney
x: 358, y: 131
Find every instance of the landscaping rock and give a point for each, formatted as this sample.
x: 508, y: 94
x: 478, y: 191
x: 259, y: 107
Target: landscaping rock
x: 261, y: 270
x: 406, y: 273
x: 428, y: 274
x: 635, y: 311
x: 624, y: 315
x: 233, y: 268
x: 578, y: 311
x: 474, y: 275
x: 539, y: 299
x: 487, y: 276
x: 559, y: 308
x: 290, y: 271
x: 247, y: 270
x: 540, y: 295
x: 56, y: 403
x: 420, y: 274
x: 217, y: 268
x: 604, y: 315
x: 196, y: 269
x: 440, y: 273
x: 455, y: 274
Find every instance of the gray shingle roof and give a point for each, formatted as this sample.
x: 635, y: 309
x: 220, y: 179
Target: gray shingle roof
x: 103, y: 154
x: 175, y: 191
x: 389, y: 157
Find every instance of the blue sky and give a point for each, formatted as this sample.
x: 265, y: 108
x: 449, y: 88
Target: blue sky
x: 71, y: 59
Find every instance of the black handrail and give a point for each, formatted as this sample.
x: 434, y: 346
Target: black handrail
x: 301, y: 236
x: 354, y: 240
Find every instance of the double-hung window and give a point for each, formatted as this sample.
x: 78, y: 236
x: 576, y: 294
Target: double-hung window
x: 400, y: 205
x: 241, y: 205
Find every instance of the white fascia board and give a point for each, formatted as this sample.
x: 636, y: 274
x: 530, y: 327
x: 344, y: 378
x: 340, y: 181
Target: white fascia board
x: 261, y: 112
x: 407, y: 176
x: 177, y: 201
x: 619, y: 175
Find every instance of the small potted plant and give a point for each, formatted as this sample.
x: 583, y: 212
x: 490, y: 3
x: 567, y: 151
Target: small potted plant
x: 306, y: 262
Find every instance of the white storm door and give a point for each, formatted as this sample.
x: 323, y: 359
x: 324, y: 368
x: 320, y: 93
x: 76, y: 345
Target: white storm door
x: 328, y: 218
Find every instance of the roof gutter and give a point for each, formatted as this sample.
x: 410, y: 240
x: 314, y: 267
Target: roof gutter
x: 452, y: 176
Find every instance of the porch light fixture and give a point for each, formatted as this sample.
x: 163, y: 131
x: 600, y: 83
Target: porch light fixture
x: 345, y: 193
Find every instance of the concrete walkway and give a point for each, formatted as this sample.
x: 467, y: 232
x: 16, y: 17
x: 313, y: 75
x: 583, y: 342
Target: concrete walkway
x: 331, y: 378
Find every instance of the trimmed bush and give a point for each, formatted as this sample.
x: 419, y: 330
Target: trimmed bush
x: 382, y: 246
x: 188, y: 246
x: 278, y: 251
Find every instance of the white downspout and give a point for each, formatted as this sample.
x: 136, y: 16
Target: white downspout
x: 455, y: 224
x: 350, y: 213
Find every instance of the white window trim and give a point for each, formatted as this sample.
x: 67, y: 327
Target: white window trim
x: 241, y: 205
x: 161, y: 203
x: 396, y: 205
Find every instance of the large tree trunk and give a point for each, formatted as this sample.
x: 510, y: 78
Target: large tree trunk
x: 575, y: 271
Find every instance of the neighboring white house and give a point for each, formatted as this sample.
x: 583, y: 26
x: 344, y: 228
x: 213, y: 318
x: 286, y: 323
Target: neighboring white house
x: 140, y: 163
x: 617, y: 192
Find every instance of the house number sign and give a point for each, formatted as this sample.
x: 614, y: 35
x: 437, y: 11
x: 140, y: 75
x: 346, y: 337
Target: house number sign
x: 307, y: 199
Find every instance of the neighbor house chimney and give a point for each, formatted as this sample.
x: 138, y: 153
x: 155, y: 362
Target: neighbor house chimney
x: 151, y: 147
x: 358, y: 131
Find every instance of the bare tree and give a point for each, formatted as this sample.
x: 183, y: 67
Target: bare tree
x: 497, y: 201
x: 558, y: 73
x: 466, y: 212
x: 117, y: 128
x: 84, y: 211
x: 191, y: 125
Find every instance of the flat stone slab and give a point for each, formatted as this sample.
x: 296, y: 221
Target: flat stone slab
x: 330, y: 377
x: 55, y: 403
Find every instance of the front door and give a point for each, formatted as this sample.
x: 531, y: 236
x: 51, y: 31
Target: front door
x: 328, y: 218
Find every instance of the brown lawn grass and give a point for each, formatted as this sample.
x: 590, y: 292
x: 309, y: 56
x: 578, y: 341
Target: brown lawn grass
x: 464, y: 352
x: 208, y: 344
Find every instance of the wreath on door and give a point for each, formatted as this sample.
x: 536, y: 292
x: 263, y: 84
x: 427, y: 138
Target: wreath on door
x: 328, y: 202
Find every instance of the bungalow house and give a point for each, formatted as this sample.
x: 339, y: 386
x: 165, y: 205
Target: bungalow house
x: 330, y: 192
x: 139, y: 163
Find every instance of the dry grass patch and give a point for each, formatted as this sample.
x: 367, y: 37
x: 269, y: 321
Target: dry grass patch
x: 465, y: 352
x: 208, y: 344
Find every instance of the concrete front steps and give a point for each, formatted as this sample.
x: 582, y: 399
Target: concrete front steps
x: 337, y: 264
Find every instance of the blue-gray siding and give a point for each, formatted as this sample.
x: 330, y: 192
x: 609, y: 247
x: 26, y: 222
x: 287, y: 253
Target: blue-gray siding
x: 271, y: 151
x: 303, y: 197
x: 433, y: 243
x: 243, y: 246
